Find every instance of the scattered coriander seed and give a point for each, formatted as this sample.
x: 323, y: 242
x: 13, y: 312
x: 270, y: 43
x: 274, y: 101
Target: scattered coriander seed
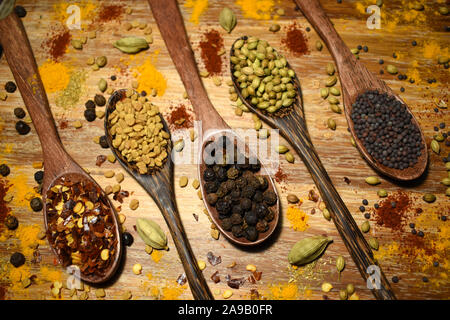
x: 77, y: 44
x: 101, y: 61
x: 429, y: 197
x: 137, y: 269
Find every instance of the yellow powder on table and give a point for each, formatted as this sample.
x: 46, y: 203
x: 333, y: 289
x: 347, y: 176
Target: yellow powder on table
x: 157, y: 255
x: 256, y: 9
x: 55, y: 76
x: 298, y: 218
x: 432, y: 50
x: 50, y: 274
x: 88, y: 10
x: 198, y: 7
x: 22, y: 189
x: 149, y: 77
x: 287, y: 291
x: 172, y: 292
x: 28, y: 238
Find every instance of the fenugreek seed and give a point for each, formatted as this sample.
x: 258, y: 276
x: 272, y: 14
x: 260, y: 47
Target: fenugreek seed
x: 195, y: 184
x: 116, y: 188
x: 330, y: 69
x: 179, y: 145
x: 127, y: 295
x: 350, y: 289
x: 199, y: 194
x: 111, y: 158
x: 100, y: 293
x: 192, y: 135
x: 289, y: 157
x: 148, y: 249
x: 204, y: 73
x: 391, y: 69
x: 429, y: 197
x: 227, y: 294
x: 326, y: 287
x: 258, y: 125
x: 365, y: 226
x: 238, y: 112
x: 215, y: 234
x: 134, y: 204
x: 137, y: 269
x: 292, y: 198
x: 183, y: 181
x: 354, y: 51
x: 99, y: 114
x: 324, y: 92
x: 217, y: 81
x: 263, y: 133
x: 77, y: 124
x: 122, y: 218
x: 109, y: 174
x: 343, y: 295
x: 382, y: 193
x: 372, y: 180
x: 331, y: 124
x: 319, y: 45
x: 77, y: 44
x: 435, y: 146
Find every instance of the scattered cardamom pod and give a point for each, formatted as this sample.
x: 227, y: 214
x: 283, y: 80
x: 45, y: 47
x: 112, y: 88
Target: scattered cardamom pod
x: 417, y: 6
x: 178, y: 146
x: 443, y: 11
x: 330, y: 69
x: 335, y: 91
x: 292, y: 198
x: 102, y: 85
x: 382, y: 193
x: 365, y: 226
x: 447, y: 192
x: 324, y: 93
x: 319, y: 45
x: 336, y: 109
x: 151, y: 233
x: 331, y: 81
x: 391, y: 69
x: 439, y: 137
x: 131, y: 44
x: 326, y: 214
x: 446, y: 182
x: 274, y: 28
x: 308, y: 249
x: 289, y: 157
x: 373, y: 180
x: 331, y: 124
x: 435, y: 146
x: 343, y: 295
x: 373, y: 242
x: 326, y: 287
x: 227, y: 19
x: 282, y: 149
x: 429, y: 197
x: 350, y: 289
x: 333, y: 100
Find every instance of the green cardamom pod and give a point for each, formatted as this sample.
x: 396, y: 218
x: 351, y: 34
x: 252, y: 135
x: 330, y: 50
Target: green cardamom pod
x: 6, y: 7
x: 365, y: 227
x: 308, y: 249
x: 373, y: 242
x: 282, y: 149
x: 331, y: 124
x: 435, y: 146
x: 227, y: 19
x: 131, y: 44
x: 330, y: 69
x: 102, y: 85
x: 151, y: 233
x: 324, y: 93
x: 429, y: 197
x: 343, y: 295
x: 391, y: 69
x: 326, y: 214
x: 350, y: 289
x: 340, y: 264
x: 446, y: 182
x: 382, y: 193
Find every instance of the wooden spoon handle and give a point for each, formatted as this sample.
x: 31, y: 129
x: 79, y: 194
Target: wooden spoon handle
x: 348, y: 229
x: 171, y: 26
x: 23, y: 66
x: 197, y: 282
x: 314, y: 12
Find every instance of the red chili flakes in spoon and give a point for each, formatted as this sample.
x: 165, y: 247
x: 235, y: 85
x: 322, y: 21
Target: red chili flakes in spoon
x: 81, y: 227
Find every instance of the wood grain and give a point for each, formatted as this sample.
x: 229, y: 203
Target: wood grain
x: 338, y: 156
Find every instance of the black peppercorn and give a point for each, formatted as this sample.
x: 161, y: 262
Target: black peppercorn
x: 99, y: 100
x: 226, y: 224
x: 127, y: 239
x: 246, y: 204
x: 17, y: 259
x: 362, y: 208
x: 36, y: 204
x: 211, y: 199
x: 251, y: 218
x: 19, y: 113
x: 367, y: 215
x: 11, y: 222
x: 223, y: 207
x: 233, y: 173
x: 10, y: 87
x: 39, y: 176
x: 395, y: 279
x: 113, y: 78
x: 237, y: 208
x: 104, y: 142
x: 237, y: 231
x: 261, y: 210
x: 209, y: 175
x: 420, y: 234
x: 89, y: 115
x: 143, y: 93
x: 221, y: 173
x: 236, y: 218
x: 262, y: 226
x: 365, y: 202
x: 22, y: 128
x: 211, y: 186
x: 4, y: 170
x: 20, y: 11
x: 270, y: 197
x: 251, y: 233
x: 90, y: 104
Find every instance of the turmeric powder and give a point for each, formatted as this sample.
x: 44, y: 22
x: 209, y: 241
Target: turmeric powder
x: 149, y: 78
x: 259, y: 10
x: 198, y: 8
x: 298, y: 218
x: 55, y: 76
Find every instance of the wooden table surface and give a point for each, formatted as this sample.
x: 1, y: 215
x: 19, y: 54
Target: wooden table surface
x: 339, y: 157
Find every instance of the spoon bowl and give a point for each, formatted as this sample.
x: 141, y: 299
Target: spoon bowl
x: 159, y: 185
x: 242, y: 241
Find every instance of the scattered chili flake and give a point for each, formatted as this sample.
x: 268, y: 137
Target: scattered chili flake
x: 63, y: 124
x: 254, y: 294
x: 295, y: 40
x: 100, y: 160
x: 57, y: 42
x: 195, y: 216
x: 210, y: 46
x: 347, y: 180
x: 280, y: 176
x: 118, y: 196
x: 179, y: 117
x: 257, y: 275
x: 214, y: 260
x: 181, y: 279
x: 313, y: 196
x: 234, y: 283
x: 109, y: 12
x: 215, y: 277
x: 393, y: 217
x: 4, y: 209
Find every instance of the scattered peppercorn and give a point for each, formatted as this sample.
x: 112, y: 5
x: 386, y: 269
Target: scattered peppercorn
x: 10, y: 87
x: 420, y: 234
x: 19, y: 113
x: 436, y: 264
x: 89, y: 115
x: 367, y: 215
x: 113, y: 78
x: 395, y: 279
x: 414, y: 43
x: 36, y: 204
x: 22, y: 128
x: 365, y: 48
x: 414, y: 231
x: 412, y: 225
x: 425, y: 279
x: 4, y: 170
x: 20, y: 11
x: 381, y: 61
x: 39, y: 176
x: 99, y: 100
x: 362, y: 208
x: 11, y: 222
x: 365, y: 202
x: 104, y: 142
x: 17, y: 259
x: 127, y: 239
x: 90, y: 104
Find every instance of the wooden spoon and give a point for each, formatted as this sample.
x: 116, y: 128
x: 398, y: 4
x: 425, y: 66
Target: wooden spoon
x: 293, y: 128
x: 159, y: 185
x: 57, y: 161
x: 171, y: 26
x: 355, y: 80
